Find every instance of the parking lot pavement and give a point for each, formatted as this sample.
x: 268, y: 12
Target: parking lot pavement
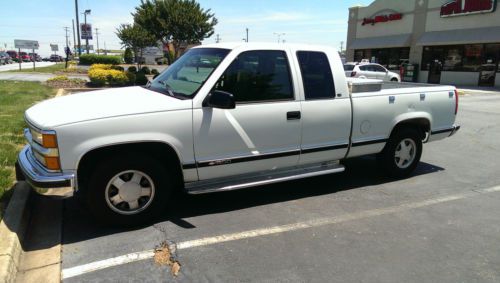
x: 35, y: 77
x: 440, y: 225
x: 26, y: 65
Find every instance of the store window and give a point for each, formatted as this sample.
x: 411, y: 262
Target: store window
x: 472, y: 57
x: 491, y: 59
x: 461, y: 58
x: 391, y: 58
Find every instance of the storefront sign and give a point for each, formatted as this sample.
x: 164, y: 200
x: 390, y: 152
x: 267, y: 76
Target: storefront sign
x: 467, y: 7
x: 382, y: 19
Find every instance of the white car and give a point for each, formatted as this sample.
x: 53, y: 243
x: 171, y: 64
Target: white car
x: 370, y: 71
x: 258, y: 114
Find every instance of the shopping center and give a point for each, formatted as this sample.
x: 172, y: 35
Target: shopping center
x: 447, y: 42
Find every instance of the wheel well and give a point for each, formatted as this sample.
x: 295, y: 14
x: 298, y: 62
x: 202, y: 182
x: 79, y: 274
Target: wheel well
x: 164, y: 153
x: 421, y: 124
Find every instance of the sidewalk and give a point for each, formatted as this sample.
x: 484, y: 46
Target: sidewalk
x: 478, y: 90
x: 37, y: 77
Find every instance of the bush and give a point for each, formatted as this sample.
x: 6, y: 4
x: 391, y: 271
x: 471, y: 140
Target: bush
x: 146, y: 70
x: 117, y: 78
x: 100, y: 67
x: 89, y: 59
x: 99, y: 77
x: 128, y: 57
x: 131, y: 77
x: 132, y: 69
x: 141, y: 78
x: 154, y: 72
x: 119, y: 68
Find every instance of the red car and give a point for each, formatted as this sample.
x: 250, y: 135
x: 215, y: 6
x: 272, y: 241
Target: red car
x: 13, y: 55
x: 24, y: 56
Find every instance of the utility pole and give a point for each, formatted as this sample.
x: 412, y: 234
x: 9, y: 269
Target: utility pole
x: 97, y: 39
x: 78, y: 28
x: 66, y: 29
x: 217, y: 39
x: 247, y: 35
x: 341, y: 47
x: 105, y: 50
x: 74, y: 37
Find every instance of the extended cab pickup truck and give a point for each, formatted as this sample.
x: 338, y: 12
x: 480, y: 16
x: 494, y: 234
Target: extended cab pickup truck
x: 226, y: 117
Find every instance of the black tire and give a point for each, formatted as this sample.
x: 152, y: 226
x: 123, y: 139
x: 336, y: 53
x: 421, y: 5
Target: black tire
x: 95, y: 193
x: 394, y: 80
x: 388, y: 159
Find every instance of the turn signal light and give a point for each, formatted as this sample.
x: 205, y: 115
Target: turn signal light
x: 52, y: 163
x: 49, y: 141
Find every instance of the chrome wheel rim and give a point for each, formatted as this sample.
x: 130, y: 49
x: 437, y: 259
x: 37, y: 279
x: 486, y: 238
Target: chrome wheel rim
x: 129, y: 192
x: 405, y: 153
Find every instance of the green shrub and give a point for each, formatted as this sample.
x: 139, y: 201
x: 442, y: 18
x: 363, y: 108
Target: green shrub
x: 154, y: 72
x: 117, y: 78
x: 128, y: 57
x: 119, y: 68
x: 131, y: 77
x: 89, y: 59
x: 146, y: 70
x: 141, y: 78
x: 98, y: 77
x: 132, y: 69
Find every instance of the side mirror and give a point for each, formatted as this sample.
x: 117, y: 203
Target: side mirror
x: 220, y: 99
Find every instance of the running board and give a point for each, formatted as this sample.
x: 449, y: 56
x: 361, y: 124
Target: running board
x: 227, y: 184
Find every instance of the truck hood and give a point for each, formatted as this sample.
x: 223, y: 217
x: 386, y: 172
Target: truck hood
x: 101, y: 104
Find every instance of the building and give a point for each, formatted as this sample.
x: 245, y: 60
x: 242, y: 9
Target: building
x: 453, y: 42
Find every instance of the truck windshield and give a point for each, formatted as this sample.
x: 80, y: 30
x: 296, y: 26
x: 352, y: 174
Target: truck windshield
x: 187, y: 75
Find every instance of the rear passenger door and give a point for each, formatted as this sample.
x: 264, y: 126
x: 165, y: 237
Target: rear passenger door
x: 326, y: 111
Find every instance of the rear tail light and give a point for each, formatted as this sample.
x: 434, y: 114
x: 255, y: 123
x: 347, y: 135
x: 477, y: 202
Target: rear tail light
x: 456, y: 102
x: 353, y: 74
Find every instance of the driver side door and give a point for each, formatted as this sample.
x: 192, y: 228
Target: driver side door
x: 263, y: 131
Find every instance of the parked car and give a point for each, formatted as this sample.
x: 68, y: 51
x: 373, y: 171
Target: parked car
x: 35, y: 57
x: 24, y: 57
x: 261, y: 114
x: 13, y: 55
x: 55, y: 58
x: 370, y: 71
x: 5, y: 58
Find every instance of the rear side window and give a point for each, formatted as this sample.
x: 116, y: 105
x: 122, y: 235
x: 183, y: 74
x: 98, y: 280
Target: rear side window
x: 258, y: 76
x: 366, y: 68
x: 317, y: 75
x: 348, y: 67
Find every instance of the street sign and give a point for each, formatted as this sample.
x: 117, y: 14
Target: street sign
x: 86, y: 30
x: 26, y: 44
x: 54, y: 47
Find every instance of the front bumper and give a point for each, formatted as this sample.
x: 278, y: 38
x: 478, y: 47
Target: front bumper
x: 43, y: 182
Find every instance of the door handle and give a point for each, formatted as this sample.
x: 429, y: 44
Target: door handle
x: 293, y: 115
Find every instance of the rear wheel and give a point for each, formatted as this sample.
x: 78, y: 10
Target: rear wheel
x: 402, y: 152
x: 128, y: 191
x: 394, y: 80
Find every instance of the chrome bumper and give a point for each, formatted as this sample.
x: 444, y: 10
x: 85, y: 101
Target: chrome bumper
x: 43, y: 182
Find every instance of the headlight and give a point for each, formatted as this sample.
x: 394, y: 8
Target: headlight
x: 47, y: 140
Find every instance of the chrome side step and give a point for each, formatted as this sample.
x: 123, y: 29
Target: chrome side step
x: 247, y: 181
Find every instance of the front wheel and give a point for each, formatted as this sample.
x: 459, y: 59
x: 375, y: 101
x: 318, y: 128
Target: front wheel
x: 402, y: 153
x: 128, y: 191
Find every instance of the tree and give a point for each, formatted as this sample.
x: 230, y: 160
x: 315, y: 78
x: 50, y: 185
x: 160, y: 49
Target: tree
x: 175, y: 21
x: 136, y: 38
x: 128, y: 56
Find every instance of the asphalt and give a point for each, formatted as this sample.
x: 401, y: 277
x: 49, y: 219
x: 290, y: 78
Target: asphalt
x: 439, y: 225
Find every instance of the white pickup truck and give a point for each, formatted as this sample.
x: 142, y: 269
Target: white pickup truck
x: 226, y: 117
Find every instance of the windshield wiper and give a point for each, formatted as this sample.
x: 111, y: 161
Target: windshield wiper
x: 168, y: 88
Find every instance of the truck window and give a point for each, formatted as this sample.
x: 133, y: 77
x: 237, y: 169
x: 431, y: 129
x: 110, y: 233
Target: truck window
x: 316, y: 75
x: 257, y: 76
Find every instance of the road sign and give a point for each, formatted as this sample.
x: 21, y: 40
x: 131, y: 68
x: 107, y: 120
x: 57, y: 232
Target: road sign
x: 54, y: 47
x: 26, y: 44
x: 86, y: 30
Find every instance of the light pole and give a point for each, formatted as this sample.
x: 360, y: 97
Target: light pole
x: 279, y: 35
x: 87, y: 12
x: 97, y: 38
x: 78, y: 28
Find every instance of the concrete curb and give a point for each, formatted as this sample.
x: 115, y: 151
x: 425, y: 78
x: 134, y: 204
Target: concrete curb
x: 12, y: 230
